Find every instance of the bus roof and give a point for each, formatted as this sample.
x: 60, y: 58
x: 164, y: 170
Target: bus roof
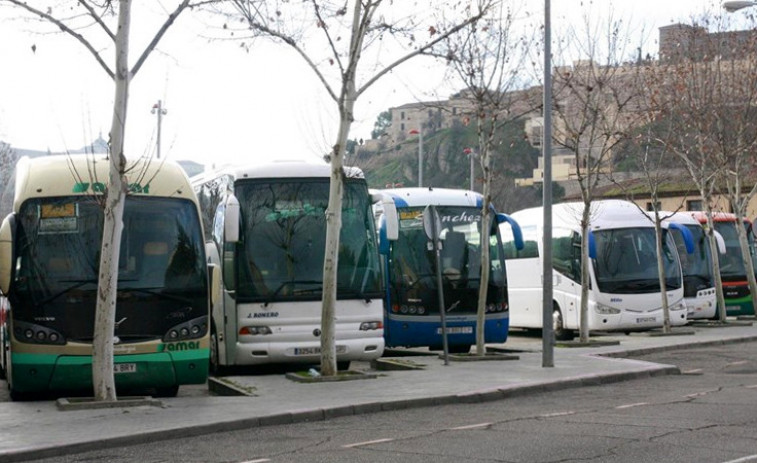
x: 81, y: 174
x: 606, y: 214
x: 415, y: 197
x: 701, y: 216
x: 277, y: 169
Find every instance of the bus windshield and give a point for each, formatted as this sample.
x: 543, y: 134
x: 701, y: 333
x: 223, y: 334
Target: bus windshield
x: 281, y: 251
x: 731, y: 264
x: 697, y: 268
x: 626, y: 261
x: 161, y: 277
x: 413, y: 275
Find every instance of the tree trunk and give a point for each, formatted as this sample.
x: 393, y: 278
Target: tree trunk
x: 584, y: 324
x: 115, y: 195
x: 715, y: 261
x: 746, y: 256
x: 484, y: 280
x: 661, y: 275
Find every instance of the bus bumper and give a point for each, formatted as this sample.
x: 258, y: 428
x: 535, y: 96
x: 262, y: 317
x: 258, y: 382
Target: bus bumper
x: 347, y: 350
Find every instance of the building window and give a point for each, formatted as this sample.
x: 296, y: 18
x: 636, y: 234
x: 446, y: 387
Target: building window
x: 402, y: 126
x: 650, y: 208
x: 694, y: 205
x: 402, y: 115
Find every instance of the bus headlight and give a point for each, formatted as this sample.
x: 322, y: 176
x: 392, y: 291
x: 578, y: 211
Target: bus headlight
x: 370, y: 326
x: 678, y: 306
x: 192, y: 329
x: 37, y: 334
x: 606, y: 310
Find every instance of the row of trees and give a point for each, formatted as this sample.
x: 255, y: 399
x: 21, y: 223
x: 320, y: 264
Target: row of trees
x: 350, y: 46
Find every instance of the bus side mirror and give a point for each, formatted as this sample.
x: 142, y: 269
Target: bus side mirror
x: 688, y: 238
x: 390, y: 226
x: 592, y: 246
x: 231, y: 220
x: 721, y: 242
x: 7, y: 258
x: 517, y: 233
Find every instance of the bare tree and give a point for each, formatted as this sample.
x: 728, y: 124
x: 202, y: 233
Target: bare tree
x: 100, y: 16
x: 592, y: 102
x: 706, y: 87
x: 332, y: 38
x: 487, y: 57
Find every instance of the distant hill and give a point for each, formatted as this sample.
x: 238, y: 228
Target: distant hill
x: 387, y: 163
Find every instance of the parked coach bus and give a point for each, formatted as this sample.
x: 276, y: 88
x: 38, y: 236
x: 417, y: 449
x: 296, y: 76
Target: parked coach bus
x: 698, y: 281
x: 268, y: 229
x: 624, y: 289
x: 49, y: 258
x: 411, y: 313
x: 738, y: 300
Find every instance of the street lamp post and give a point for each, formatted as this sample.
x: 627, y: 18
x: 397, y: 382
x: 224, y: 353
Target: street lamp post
x: 158, y: 109
x: 472, y: 155
x: 419, y: 132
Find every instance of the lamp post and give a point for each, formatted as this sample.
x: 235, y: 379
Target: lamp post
x: 419, y: 132
x: 158, y: 109
x: 472, y: 155
x: 548, y: 359
x: 736, y: 5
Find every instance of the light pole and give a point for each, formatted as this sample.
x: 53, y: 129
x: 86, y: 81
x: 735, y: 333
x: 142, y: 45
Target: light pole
x: 472, y: 155
x: 737, y: 5
x: 158, y: 109
x: 419, y: 132
x: 548, y: 336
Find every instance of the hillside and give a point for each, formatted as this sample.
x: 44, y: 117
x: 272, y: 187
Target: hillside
x: 447, y: 166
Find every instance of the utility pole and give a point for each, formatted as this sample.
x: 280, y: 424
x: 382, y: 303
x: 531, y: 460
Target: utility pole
x: 158, y: 109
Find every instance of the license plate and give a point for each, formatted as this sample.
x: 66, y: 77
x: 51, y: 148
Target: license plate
x: 456, y: 330
x: 645, y: 319
x: 124, y: 368
x: 316, y: 350
x: 732, y: 308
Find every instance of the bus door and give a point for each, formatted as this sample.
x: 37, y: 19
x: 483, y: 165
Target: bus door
x: 566, y: 281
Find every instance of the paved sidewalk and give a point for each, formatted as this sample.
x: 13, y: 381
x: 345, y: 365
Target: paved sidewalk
x: 31, y: 430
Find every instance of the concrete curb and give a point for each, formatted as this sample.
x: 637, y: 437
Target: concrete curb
x: 322, y: 414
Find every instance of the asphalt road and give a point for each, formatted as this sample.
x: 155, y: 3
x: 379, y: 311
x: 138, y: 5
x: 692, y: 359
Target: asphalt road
x: 708, y: 414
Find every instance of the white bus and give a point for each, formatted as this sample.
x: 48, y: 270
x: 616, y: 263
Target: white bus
x: 698, y: 280
x: 268, y: 229
x: 624, y: 292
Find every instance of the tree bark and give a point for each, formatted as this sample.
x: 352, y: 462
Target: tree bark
x: 115, y: 195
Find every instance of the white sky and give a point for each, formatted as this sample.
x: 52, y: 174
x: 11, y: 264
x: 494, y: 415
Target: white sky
x: 224, y: 105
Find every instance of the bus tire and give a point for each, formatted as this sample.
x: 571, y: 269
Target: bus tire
x: 558, y: 326
x: 459, y: 348
x: 214, y: 365
x: 343, y: 365
x: 169, y: 391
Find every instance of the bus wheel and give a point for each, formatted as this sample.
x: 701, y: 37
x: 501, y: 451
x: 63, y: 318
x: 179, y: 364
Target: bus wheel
x: 558, y: 326
x: 343, y: 366
x: 169, y: 391
x: 215, y: 367
x: 459, y: 348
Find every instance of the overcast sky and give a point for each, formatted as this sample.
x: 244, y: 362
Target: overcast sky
x: 224, y: 105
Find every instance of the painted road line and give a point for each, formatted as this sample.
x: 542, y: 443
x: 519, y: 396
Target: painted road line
x: 370, y: 442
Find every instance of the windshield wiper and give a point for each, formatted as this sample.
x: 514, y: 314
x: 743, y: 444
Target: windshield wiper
x: 353, y: 291
x: 77, y: 284
x: 285, y: 284
x: 155, y: 292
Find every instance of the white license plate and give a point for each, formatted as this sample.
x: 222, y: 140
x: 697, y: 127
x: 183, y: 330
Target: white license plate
x: 456, y: 330
x: 645, y: 319
x: 732, y: 308
x: 124, y: 368
x: 316, y: 350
